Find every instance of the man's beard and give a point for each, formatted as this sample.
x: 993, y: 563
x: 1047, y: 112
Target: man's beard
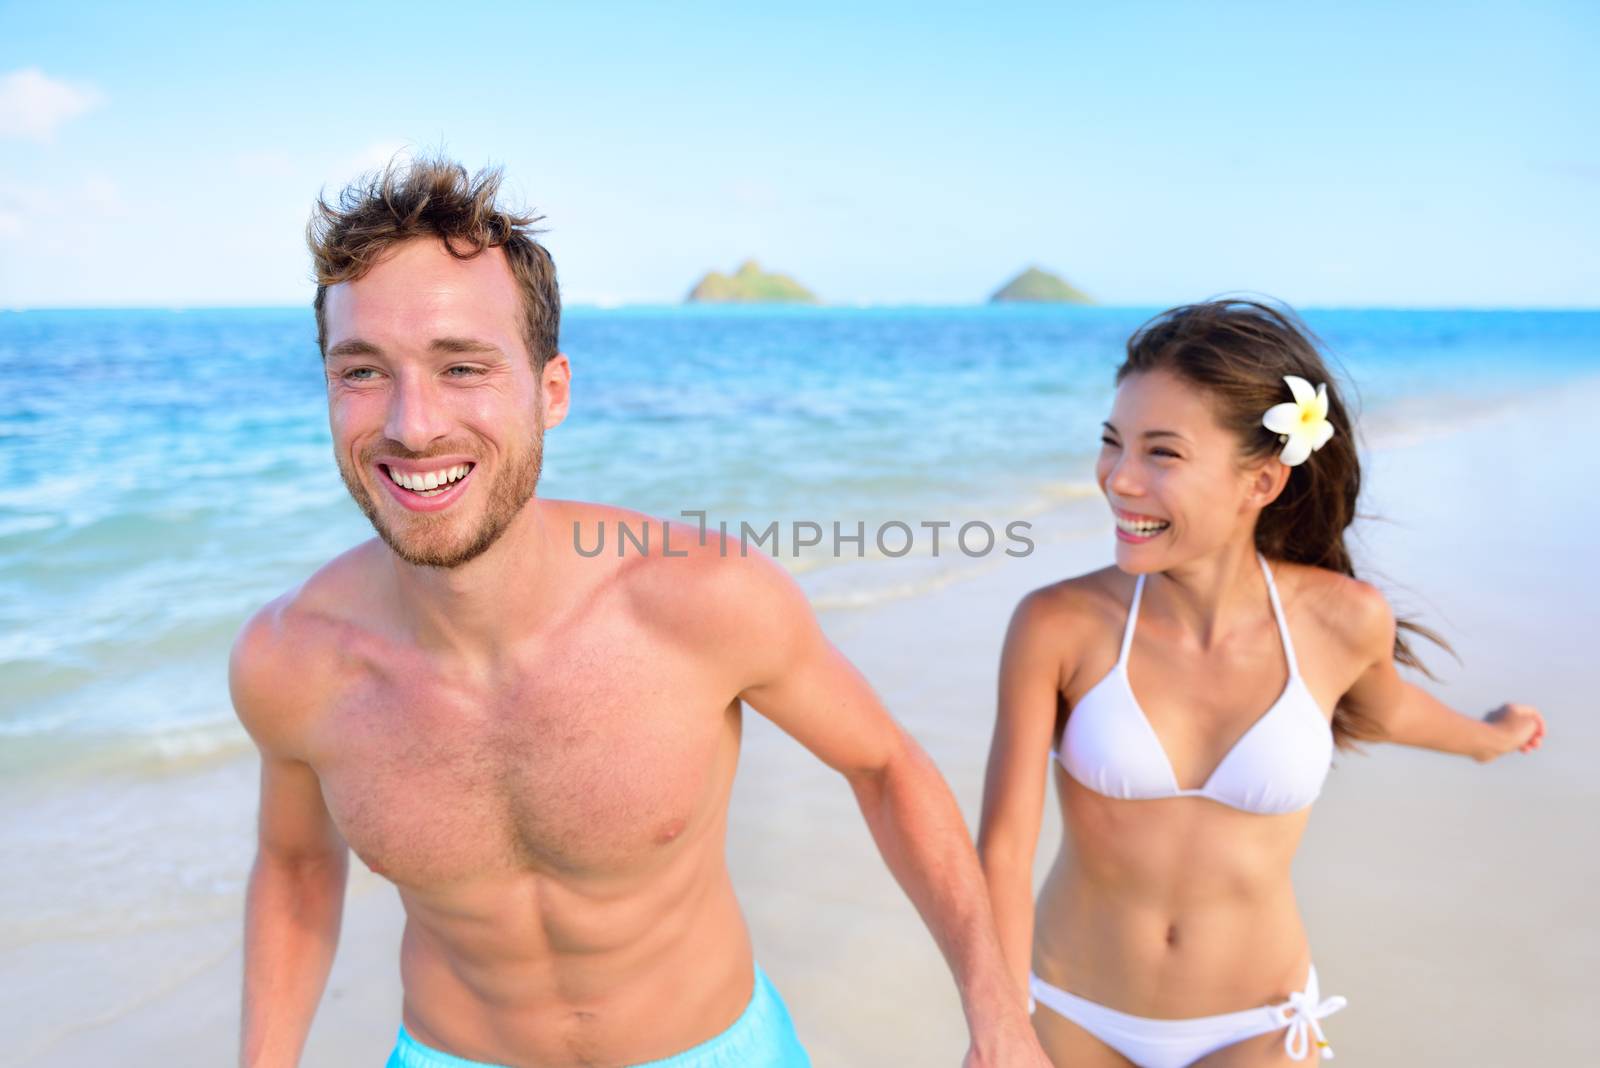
x: 428, y: 540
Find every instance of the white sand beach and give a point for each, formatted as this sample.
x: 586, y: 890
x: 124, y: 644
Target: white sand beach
x: 1453, y: 904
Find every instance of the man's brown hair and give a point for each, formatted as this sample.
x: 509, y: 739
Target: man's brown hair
x: 434, y: 197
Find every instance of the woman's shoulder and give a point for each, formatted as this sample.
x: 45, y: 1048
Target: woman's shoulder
x: 1353, y: 611
x: 1072, y: 605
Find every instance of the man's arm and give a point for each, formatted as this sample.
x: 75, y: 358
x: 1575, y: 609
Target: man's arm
x: 295, y: 899
x: 1408, y: 714
x: 807, y: 687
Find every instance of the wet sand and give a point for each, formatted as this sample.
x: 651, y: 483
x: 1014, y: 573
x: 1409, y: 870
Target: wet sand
x: 1450, y: 902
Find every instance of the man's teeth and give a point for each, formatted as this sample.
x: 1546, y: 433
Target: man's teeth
x: 1142, y: 527
x: 431, y: 483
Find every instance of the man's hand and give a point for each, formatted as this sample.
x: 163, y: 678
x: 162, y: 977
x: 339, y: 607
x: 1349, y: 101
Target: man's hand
x: 796, y: 678
x: 1010, y: 1043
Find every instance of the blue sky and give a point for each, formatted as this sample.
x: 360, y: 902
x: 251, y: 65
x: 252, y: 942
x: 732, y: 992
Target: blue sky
x: 1327, y: 154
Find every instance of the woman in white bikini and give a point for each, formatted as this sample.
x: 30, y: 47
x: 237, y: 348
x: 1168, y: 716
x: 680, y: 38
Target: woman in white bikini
x: 1167, y: 932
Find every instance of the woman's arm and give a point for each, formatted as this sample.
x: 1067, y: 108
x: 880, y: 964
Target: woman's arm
x: 1014, y: 784
x: 1409, y: 715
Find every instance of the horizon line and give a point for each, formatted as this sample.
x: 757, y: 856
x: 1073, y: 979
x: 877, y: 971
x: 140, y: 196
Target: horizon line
x: 804, y: 306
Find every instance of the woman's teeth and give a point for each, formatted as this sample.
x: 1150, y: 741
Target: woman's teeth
x: 431, y: 483
x: 1142, y: 528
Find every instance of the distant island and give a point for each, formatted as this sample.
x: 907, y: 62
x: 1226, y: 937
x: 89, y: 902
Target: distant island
x: 749, y: 284
x: 1039, y: 286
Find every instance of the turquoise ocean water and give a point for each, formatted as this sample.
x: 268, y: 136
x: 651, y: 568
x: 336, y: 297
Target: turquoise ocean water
x: 168, y: 472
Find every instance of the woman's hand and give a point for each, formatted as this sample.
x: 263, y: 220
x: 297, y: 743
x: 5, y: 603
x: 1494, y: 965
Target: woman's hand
x: 1520, y: 728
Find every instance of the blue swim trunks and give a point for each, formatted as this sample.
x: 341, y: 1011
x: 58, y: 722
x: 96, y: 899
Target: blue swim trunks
x: 762, y: 1037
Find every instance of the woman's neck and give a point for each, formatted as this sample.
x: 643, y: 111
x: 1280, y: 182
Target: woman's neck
x: 1207, y: 598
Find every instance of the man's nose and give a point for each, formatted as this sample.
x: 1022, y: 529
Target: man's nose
x: 417, y: 418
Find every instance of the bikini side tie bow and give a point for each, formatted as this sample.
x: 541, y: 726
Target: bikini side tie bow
x: 1303, y: 1015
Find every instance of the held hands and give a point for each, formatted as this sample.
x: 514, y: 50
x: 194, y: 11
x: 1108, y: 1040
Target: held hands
x: 1520, y: 728
x: 1010, y: 1044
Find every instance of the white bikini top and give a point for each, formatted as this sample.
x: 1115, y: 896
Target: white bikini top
x: 1278, y: 765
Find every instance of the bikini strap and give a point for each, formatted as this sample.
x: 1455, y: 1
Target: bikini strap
x: 1133, y: 616
x: 1277, y: 612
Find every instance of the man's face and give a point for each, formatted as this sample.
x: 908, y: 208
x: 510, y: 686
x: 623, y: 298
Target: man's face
x: 438, y: 417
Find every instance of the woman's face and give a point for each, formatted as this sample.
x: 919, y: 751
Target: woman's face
x: 1175, y: 478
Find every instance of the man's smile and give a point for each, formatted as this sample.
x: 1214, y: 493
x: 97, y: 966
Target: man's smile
x: 426, y: 487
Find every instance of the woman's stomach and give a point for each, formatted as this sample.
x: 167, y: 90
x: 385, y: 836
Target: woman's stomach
x: 1171, y: 908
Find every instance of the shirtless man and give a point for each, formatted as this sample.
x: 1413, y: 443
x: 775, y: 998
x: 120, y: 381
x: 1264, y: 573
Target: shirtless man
x: 537, y: 747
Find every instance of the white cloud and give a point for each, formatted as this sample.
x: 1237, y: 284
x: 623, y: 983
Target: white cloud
x: 33, y: 104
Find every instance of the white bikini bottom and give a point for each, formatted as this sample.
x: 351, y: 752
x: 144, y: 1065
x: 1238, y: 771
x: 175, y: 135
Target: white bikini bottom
x: 1175, y: 1043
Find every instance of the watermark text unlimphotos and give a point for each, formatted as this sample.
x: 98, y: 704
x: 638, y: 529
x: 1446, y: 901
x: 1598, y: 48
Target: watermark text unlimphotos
x: 893, y: 539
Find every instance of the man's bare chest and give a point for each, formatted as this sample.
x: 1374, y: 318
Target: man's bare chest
x: 577, y: 764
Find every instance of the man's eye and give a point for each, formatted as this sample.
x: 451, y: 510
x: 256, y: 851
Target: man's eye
x: 468, y: 371
x: 358, y: 374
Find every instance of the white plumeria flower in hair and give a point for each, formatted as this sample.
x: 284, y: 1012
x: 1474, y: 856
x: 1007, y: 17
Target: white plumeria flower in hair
x: 1301, y: 424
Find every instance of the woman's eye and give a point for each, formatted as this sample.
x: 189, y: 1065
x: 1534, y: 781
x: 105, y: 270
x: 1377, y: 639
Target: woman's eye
x: 1164, y: 452
x: 1107, y: 440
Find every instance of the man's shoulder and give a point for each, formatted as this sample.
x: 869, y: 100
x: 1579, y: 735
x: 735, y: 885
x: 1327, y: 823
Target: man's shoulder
x: 690, y: 581
x: 693, y: 589
x: 609, y: 531
x: 331, y: 602
x: 285, y: 655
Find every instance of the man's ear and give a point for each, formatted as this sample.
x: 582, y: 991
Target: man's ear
x: 555, y: 383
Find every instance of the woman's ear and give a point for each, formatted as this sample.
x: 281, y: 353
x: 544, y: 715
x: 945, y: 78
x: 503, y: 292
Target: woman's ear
x: 1267, y: 480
